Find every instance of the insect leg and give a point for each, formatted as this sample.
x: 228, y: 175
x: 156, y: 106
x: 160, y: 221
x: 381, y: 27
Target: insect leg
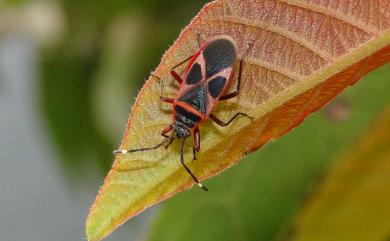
x: 174, y: 74
x: 235, y: 93
x: 164, y: 134
x: 222, y: 123
x: 199, y: 41
x: 142, y: 149
x: 196, y: 146
x: 162, y: 98
x: 166, y: 130
x: 167, y: 100
x: 168, y: 139
x: 204, y: 188
x: 182, y: 62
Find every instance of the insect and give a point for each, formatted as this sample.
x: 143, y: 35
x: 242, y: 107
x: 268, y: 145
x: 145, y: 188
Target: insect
x: 205, y: 79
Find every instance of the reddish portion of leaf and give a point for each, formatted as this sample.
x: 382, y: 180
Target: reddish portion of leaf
x: 304, y: 53
x: 292, y: 113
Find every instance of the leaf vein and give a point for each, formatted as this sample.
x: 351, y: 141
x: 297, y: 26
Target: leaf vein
x: 350, y: 20
x: 277, y: 69
x: 280, y: 31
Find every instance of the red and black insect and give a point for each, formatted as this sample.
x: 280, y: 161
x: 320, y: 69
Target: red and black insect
x: 204, y: 82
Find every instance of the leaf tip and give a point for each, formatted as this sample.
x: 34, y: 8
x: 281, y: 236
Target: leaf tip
x: 92, y: 231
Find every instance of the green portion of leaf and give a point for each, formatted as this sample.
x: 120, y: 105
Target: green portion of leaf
x: 254, y: 201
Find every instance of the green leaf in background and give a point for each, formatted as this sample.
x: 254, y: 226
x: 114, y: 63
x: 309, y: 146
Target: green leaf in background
x: 353, y: 201
x: 254, y: 201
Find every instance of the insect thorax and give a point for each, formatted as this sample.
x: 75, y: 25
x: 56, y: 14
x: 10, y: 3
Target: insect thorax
x: 185, y: 117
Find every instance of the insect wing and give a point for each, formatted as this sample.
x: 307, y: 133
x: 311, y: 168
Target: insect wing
x: 207, y: 74
x: 219, y: 57
x: 193, y: 88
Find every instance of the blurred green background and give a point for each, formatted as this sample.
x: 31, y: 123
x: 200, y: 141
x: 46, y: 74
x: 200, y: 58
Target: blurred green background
x: 69, y: 73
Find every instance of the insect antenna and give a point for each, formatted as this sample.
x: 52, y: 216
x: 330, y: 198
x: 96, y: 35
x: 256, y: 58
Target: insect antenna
x: 167, y: 140
x: 204, y: 188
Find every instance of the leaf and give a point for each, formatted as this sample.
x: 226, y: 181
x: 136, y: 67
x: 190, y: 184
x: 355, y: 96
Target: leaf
x: 303, y: 55
x: 352, y: 203
x: 256, y: 200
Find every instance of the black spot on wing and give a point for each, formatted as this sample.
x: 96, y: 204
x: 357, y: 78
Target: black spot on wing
x: 216, y: 86
x: 194, y: 75
x: 197, y: 98
x: 219, y: 55
x: 186, y: 118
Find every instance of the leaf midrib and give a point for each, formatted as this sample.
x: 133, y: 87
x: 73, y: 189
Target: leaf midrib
x: 306, y: 83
